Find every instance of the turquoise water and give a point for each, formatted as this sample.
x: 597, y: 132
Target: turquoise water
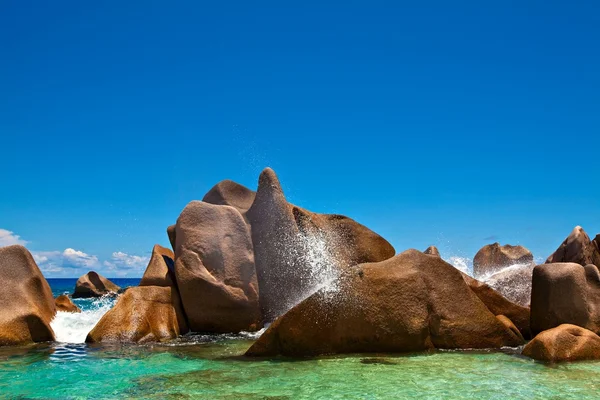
x: 215, y: 370
x: 212, y: 367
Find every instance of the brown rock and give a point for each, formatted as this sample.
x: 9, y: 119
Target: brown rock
x: 493, y: 257
x: 565, y: 293
x: 64, y: 303
x: 296, y: 250
x: 26, y: 301
x: 499, y: 305
x: 564, y: 343
x: 142, y: 314
x: 93, y: 284
x: 432, y: 251
x: 518, y: 337
x: 215, y: 269
x: 514, y: 283
x: 229, y: 193
x: 161, y: 268
x: 577, y: 248
x: 399, y: 305
x: 171, y: 234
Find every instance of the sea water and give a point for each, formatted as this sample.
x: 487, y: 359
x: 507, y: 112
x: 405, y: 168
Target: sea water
x: 213, y: 367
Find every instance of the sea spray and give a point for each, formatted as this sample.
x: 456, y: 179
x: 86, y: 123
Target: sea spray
x: 74, y: 327
x: 321, y: 272
x: 513, y: 282
x: 463, y: 264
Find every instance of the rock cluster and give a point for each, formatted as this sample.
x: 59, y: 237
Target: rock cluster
x: 241, y: 258
x: 327, y: 284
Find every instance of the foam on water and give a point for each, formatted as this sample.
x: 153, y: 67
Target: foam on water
x: 74, y: 327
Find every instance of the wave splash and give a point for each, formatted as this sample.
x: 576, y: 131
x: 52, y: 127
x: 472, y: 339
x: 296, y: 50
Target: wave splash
x: 74, y: 327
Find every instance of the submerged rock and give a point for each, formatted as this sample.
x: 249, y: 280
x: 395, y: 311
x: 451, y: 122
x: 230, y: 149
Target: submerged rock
x: 577, y: 248
x: 26, y: 301
x: 161, y: 268
x: 93, y: 284
x: 64, y: 303
x: 410, y: 302
x: 296, y: 251
x: 565, y: 293
x: 493, y: 258
x: 564, y: 343
x: 142, y: 314
x: 499, y: 305
x: 215, y: 269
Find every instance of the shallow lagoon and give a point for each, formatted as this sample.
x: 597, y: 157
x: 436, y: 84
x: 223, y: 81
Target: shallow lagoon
x: 212, y: 367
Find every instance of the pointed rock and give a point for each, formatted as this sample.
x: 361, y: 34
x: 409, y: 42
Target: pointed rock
x: 432, y: 251
x: 577, y: 248
x: 161, y: 268
x: 171, y: 234
x: 297, y: 251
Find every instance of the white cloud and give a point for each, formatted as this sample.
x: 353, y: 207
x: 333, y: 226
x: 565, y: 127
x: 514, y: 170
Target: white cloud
x: 60, y: 261
x: 126, y: 261
x: 78, y: 259
x: 72, y: 262
x: 8, y: 238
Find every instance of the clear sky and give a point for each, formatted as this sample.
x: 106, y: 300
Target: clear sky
x: 448, y: 123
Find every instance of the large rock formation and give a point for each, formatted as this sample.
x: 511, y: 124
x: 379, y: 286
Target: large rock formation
x: 410, y: 302
x: 161, y: 268
x: 514, y: 283
x: 64, y: 303
x: 577, y: 248
x: 142, y: 314
x: 499, y: 305
x: 93, y: 284
x: 565, y: 293
x: 215, y: 269
x: 26, y: 302
x: 493, y: 257
x: 297, y: 250
x: 564, y: 343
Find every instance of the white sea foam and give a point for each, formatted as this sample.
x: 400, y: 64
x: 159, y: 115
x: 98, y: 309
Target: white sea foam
x: 74, y: 327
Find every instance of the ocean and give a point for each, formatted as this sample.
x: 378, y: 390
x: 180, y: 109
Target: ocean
x: 213, y: 367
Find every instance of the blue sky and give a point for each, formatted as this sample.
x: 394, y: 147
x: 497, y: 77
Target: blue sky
x: 447, y: 123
